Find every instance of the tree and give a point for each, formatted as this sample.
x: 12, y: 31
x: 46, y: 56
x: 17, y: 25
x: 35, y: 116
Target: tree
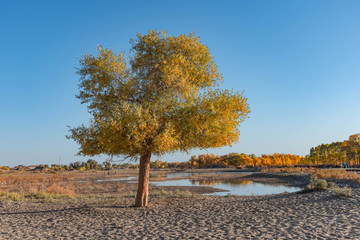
x: 107, y: 165
x: 163, y: 98
x: 354, y: 148
x: 91, y: 164
x: 76, y: 165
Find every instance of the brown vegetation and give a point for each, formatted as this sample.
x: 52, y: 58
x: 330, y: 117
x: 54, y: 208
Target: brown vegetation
x: 61, y: 183
x: 319, y: 173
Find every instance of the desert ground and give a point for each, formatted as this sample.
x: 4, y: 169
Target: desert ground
x: 109, y: 213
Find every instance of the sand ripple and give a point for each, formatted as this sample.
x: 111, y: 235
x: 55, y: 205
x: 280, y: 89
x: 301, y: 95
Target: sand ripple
x: 319, y: 215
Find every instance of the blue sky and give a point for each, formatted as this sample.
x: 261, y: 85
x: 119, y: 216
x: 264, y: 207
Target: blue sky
x: 297, y: 61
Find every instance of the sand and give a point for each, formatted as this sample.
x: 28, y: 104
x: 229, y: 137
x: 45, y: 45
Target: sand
x: 316, y: 215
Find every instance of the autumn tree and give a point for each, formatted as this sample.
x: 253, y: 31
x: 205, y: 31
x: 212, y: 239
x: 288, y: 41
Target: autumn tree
x: 353, y: 148
x: 337, y: 152
x: 163, y: 97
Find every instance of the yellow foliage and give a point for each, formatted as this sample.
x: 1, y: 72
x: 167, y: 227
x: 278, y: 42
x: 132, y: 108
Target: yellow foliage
x: 235, y: 159
x: 162, y: 98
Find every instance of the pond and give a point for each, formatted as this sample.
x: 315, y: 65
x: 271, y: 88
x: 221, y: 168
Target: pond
x: 232, y: 186
x: 226, y: 186
x: 167, y: 175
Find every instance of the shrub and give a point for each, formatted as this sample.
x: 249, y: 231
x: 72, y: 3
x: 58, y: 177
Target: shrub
x: 317, y: 184
x: 332, y: 185
x: 343, y: 192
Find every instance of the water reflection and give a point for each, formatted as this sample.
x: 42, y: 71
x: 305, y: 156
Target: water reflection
x: 189, y: 174
x: 226, y: 186
x: 206, y: 182
x: 158, y: 176
x: 232, y: 186
x: 168, y: 175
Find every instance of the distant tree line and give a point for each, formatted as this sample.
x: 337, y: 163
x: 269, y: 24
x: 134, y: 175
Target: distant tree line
x: 240, y: 160
x: 333, y: 154
x: 92, y: 164
x: 336, y: 153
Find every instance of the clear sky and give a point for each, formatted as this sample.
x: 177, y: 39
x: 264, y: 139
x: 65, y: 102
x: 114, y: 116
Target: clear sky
x: 298, y: 63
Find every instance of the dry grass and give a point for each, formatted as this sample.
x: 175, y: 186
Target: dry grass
x: 58, y: 188
x: 38, y: 196
x: 36, y: 182
x: 336, y: 174
x: 47, y: 186
x: 29, y: 184
x: 320, y: 173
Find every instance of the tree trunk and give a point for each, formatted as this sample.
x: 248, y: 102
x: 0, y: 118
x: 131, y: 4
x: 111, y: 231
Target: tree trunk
x: 143, y: 185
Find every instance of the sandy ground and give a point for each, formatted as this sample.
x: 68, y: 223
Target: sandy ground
x: 316, y: 215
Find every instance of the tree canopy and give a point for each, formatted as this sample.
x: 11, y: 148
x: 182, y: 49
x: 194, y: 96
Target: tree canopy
x: 163, y: 97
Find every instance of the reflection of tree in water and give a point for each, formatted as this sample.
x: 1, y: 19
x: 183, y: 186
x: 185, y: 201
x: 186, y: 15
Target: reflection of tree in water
x: 212, y: 182
x: 158, y: 176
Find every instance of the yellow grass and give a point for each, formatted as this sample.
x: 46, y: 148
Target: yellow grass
x: 42, y: 196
